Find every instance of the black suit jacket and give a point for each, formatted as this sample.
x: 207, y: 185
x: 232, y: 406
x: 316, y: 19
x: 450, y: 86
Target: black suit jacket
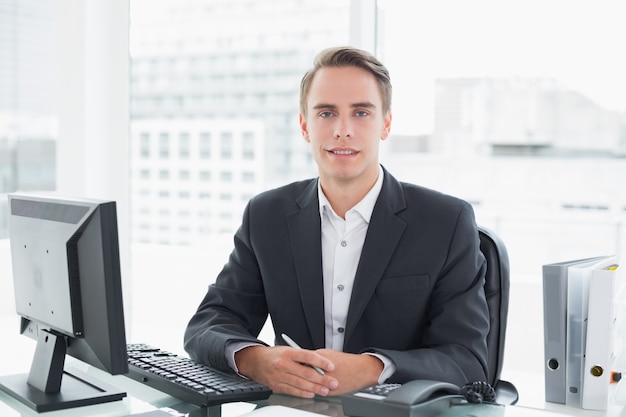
x: 418, y: 294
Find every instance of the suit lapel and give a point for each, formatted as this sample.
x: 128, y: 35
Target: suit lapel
x: 307, y: 255
x: 384, y: 232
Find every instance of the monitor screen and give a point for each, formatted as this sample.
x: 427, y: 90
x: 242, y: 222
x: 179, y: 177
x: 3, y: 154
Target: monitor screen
x: 68, y: 293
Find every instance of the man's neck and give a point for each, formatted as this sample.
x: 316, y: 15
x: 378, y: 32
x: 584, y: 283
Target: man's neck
x: 343, y: 195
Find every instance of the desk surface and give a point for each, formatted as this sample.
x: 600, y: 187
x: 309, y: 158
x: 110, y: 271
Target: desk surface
x: 143, y: 399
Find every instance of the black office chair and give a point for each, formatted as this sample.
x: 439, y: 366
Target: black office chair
x: 497, y: 285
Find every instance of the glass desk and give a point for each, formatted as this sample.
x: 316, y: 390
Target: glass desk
x: 143, y: 399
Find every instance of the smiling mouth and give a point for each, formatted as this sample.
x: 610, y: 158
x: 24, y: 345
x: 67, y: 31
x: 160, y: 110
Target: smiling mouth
x: 343, y: 152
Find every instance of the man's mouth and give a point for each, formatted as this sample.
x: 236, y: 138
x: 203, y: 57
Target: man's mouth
x: 342, y: 152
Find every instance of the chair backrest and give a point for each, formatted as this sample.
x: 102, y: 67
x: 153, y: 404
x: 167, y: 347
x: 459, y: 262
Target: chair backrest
x: 497, y: 286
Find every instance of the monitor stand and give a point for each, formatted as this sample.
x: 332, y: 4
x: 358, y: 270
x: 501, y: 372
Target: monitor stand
x: 48, y: 387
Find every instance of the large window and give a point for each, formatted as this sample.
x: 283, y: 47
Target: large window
x: 214, y: 109
x: 496, y: 103
x: 520, y: 108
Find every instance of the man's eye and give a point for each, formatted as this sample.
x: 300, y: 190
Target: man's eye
x: 325, y: 114
x: 361, y: 113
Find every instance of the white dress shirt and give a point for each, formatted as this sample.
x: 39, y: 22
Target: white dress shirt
x: 342, y: 243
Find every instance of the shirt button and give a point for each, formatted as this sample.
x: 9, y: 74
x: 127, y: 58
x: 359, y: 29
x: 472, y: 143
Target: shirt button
x: 341, y: 330
x: 340, y: 287
x: 344, y: 243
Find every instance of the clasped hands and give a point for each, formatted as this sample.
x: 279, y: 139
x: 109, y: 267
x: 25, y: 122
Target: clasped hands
x: 289, y: 371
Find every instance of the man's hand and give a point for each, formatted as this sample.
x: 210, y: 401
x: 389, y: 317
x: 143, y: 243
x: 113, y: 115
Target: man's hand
x: 353, y: 371
x: 287, y: 370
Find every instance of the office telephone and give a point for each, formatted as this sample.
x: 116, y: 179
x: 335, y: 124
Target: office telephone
x: 423, y: 398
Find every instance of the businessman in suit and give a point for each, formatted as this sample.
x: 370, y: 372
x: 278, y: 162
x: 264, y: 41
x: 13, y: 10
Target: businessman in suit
x: 377, y: 280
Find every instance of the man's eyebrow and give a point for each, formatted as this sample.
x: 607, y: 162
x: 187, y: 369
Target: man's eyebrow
x: 324, y: 106
x: 364, y: 104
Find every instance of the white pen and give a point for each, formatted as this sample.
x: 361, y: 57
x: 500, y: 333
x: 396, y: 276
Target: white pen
x: 294, y: 345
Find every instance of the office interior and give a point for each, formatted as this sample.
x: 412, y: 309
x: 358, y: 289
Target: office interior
x: 520, y: 109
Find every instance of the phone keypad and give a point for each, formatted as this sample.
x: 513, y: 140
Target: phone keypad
x: 379, y: 391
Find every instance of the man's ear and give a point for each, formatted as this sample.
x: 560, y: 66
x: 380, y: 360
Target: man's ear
x: 303, y: 127
x: 386, y: 126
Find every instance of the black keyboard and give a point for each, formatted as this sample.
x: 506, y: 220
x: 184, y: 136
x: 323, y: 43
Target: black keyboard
x: 188, y: 380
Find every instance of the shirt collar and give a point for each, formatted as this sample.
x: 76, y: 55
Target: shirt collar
x: 365, y: 207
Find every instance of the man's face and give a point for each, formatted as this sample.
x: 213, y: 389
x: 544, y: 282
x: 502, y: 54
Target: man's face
x: 344, y: 124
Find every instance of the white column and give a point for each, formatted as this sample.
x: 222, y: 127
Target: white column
x: 93, y: 105
x: 363, y: 25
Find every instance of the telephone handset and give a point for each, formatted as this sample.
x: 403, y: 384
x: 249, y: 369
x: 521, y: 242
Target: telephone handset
x: 424, y: 398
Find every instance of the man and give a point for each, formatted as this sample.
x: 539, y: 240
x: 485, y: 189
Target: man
x: 375, y: 279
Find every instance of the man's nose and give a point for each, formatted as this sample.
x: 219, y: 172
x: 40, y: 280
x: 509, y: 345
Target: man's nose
x: 343, y: 127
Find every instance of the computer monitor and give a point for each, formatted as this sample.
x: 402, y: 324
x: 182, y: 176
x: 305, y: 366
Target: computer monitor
x: 68, y: 293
